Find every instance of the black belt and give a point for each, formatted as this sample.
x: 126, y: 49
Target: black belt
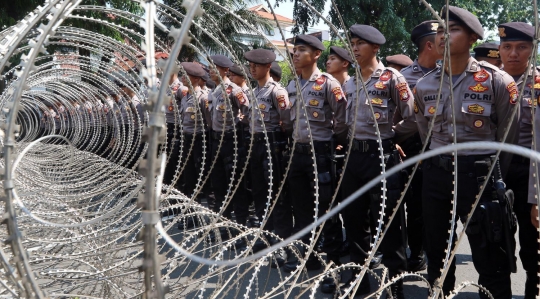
x: 371, y: 146
x: 272, y: 136
x: 321, y: 147
x: 226, y: 135
x: 190, y: 136
x: 465, y: 163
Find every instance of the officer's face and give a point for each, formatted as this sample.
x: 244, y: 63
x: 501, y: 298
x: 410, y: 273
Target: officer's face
x: 515, y: 56
x: 305, y: 56
x: 461, y: 39
x: 220, y: 74
x: 259, y: 71
x: 236, y: 79
x: 363, y: 51
x: 334, y: 64
x: 194, y: 80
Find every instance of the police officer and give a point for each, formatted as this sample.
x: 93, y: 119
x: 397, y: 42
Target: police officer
x: 268, y: 108
x: 275, y: 71
x: 484, y: 98
x: 171, y: 115
x: 488, y: 52
x: 515, y: 51
x: 423, y: 36
x: 387, y: 91
x: 225, y: 103
x: 398, y: 61
x: 325, y: 108
x: 338, y: 64
x: 191, y: 107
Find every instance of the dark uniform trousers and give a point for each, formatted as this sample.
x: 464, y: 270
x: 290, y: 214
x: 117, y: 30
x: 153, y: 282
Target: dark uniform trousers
x: 301, y: 180
x: 361, y: 168
x: 415, y: 228
x: 489, y: 259
x: 260, y: 173
x: 131, y: 150
x: 193, y: 163
x: 517, y: 180
x: 222, y: 173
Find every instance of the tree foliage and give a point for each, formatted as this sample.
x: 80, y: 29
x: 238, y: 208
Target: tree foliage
x: 396, y: 18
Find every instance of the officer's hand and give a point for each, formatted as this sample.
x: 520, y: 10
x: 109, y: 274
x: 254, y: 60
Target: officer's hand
x: 339, y: 147
x: 534, y: 215
x: 400, y: 150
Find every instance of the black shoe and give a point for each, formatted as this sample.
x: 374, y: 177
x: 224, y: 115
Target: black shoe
x: 328, y: 285
x: 397, y: 291
x: 186, y: 223
x: 240, y: 244
x: 376, y: 261
x: 417, y: 264
x: 259, y: 245
x: 363, y: 289
x: 279, y: 258
x: 292, y: 260
x: 313, y: 263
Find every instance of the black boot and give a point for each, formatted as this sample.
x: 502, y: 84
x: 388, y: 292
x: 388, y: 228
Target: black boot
x: 363, y: 289
x: 397, y: 291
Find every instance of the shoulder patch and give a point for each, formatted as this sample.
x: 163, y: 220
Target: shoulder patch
x: 481, y: 76
x: 281, y: 102
x: 241, y: 98
x: 403, y: 91
x: 229, y: 89
x: 338, y: 93
x: 387, y: 75
x: 512, y: 89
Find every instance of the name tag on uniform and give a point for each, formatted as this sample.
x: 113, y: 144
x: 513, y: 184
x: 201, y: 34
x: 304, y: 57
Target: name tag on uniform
x: 190, y: 110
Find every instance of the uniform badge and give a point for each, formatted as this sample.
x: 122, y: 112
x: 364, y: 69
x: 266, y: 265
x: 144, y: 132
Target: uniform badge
x: 501, y: 32
x: 415, y: 108
x: 321, y: 80
x: 476, y: 109
x: 229, y: 90
x: 262, y: 115
x: 206, y: 104
x: 221, y: 107
x: 193, y: 116
x: 434, y: 26
x: 478, y: 123
x: 313, y: 102
x: 377, y: 115
x: 171, y: 108
x: 380, y: 85
x: 223, y: 115
x: 241, y: 98
x: 281, y: 102
x: 512, y: 89
x: 431, y: 110
x: 493, y: 54
x: 262, y: 106
x: 317, y: 87
x: 376, y: 101
x: 184, y: 92
x: 414, y: 90
x: 338, y: 93
x: 190, y: 110
x: 478, y: 88
x: 386, y: 76
x: 536, y: 83
x: 315, y: 114
x: 403, y: 91
x: 481, y: 76
x: 529, y: 101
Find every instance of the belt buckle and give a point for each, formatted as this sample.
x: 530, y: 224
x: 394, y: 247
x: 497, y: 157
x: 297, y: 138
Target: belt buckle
x: 365, y: 146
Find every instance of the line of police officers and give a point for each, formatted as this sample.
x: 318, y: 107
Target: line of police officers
x: 391, y: 110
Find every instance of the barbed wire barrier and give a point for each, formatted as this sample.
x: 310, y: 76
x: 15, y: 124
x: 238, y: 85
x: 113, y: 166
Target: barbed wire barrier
x: 82, y: 176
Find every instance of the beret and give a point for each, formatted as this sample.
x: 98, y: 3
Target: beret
x: 424, y: 29
x: 367, y: 33
x: 260, y: 56
x: 465, y: 17
x: 205, y: 77
x: 344, y: 54
x: 193, y: 69
x: 515, y: 31
x: 399, y: 59
x: 210, y: 84
x: 490, y: 50
x: 309, y: 40
x: 221, y: 60
x: 275, y: 69
x: 237, y: 70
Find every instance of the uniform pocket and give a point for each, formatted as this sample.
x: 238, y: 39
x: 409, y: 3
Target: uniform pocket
x: 476, y: 117
x: 380, y: 111
x: 431, y: 111
x: 264, y: 107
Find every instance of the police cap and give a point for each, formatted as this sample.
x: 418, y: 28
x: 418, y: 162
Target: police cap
x: 516, y: 31
x: 424, y: 29
x: 193, y: 69
x: 308, y: 40
x: 237, y: 70
x: 205, y: 77
x: 367, y: 33
x: 342, y: 53
x: 465, y: 17
x: 490, y: 50
x: 260, y: 56
x: 275, y: 69
x: 221, y: 60
x: 399, y: 59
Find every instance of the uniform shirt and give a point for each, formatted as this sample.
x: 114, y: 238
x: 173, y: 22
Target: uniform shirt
x: 412, y: 73
x: 388, y: 93
x: 191, y: 109
x: 173, y: 88
x: 525, y: 121
x: 484, y: 97
x: 272, y: 101
x: 224, y: 114
x: 325, y: 105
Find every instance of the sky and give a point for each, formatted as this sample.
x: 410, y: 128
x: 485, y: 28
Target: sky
x: 286, y: 9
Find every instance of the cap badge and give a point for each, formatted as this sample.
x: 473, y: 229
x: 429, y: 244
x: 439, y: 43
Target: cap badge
x: 493, y: 54
x: 501, y: 32
x: 434, y: 26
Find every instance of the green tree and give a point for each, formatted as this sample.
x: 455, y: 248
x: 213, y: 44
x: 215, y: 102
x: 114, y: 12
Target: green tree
x: 286, y: 73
